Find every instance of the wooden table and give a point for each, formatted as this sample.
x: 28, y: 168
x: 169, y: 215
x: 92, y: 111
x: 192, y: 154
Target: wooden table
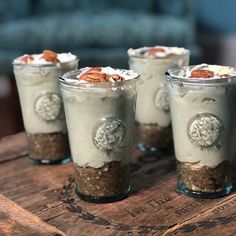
x: 40, y: 200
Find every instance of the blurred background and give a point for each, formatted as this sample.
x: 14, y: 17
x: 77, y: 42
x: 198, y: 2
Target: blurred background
x: 100, y: 32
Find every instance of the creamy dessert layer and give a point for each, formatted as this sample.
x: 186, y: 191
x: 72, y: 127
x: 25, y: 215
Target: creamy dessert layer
x: 205, y: 71
x: 151, y: 63
x: 47, y: 57
x: 203, y: 115
x: 157, y: 52
x: 37, y: 78
x: 99, y: 107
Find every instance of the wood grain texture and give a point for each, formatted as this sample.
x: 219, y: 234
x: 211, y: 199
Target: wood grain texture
x: 13, y: 146
x: 153, y: 208
x: 17, y: 221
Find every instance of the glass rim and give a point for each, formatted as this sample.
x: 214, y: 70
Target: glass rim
x: 187, y: 53
x: 170, y: 77
x: 109, y: 84
x: 14, y: 63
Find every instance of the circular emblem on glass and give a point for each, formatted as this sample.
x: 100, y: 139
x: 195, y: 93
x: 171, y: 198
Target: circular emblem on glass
x: 109, y: 134
x: 204, y: 129
x: 161, y: 98
x: 44, y: 71
x: 48, y: 106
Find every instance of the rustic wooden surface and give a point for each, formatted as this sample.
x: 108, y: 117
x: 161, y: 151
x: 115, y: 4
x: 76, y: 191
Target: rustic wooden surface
x: 153, y: 208
x: 17, y: 221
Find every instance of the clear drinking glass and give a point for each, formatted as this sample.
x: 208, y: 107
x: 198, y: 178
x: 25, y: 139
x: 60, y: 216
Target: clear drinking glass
x: 203, y: 120
x: 100, y: 121
x: 42, y: 110
x: 152, y: 109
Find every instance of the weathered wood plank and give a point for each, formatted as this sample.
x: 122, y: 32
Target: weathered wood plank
x: 153, y: 210
x: 219, y: 220
x: 13, y: 146
x: 154, y: 207
x: 16, y: 221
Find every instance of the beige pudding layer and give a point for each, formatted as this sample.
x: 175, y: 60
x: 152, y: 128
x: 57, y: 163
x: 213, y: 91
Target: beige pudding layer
x: 203, y: 114
x: 151, y: 63
x: 99, y: 109
x: 37, y: 78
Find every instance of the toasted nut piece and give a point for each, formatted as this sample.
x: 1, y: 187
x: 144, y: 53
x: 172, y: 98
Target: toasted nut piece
x: 50, y: 56
x: 94, y: 77
x: 94, y: 69
x: 116, y: 77
x: 202, y: 74
x: 27, y: 59
x: 153, y: 51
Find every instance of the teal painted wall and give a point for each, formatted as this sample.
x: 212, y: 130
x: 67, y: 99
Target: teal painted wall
x: 216, y: 16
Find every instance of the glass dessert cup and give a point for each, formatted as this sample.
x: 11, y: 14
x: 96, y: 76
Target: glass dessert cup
x: 42, y: 110
x: 203, y: 121
x: 153, y: 121
x: 100, y: 121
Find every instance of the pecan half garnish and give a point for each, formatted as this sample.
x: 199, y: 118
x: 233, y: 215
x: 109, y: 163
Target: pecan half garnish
x: 27, y: 59
x: 116, y: 77
x: 49, y: 55
x: 94, y: 76
x: 94, y: 69
x: 202, y: 74
x: 153, y: 51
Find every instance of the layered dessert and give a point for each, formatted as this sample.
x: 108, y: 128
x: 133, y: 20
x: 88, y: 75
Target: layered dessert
x: 203, y: 108
x: 37, y: 79
x: 99, y: 106
x: 152, y: 110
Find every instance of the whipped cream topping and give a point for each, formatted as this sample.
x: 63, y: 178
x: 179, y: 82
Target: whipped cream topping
x: 157, y: 52
x: 204, y: 71
x: 109, y: 72
x: 39, y: 59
